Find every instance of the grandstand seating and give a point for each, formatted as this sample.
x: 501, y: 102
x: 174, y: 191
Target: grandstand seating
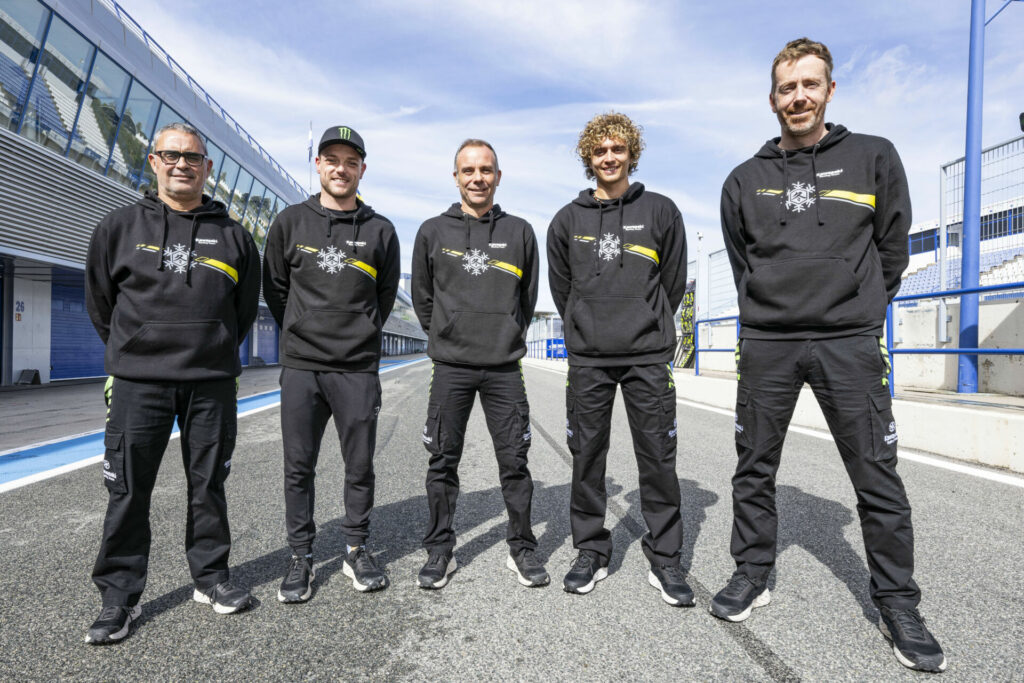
x: 997, y: 267
x: 12, y: 79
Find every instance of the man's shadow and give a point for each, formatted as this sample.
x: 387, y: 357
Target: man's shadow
x: 397, y: 530
x: 816, y: 525
x: 694, y: 502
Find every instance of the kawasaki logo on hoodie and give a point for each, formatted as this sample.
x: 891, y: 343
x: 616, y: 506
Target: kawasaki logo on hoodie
x: 332, y: 260
x: 477, y: 262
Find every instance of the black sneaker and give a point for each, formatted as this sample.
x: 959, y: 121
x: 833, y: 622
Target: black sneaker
x: 226, y: 598
x: 528, y: 568
x: 112, y: 625
x: 738, y: 598
x: 435, y: 572
x: 670, y: 579
x: 364, y: 572
x: 297, y: 585
x: 912, y: 643
x: 584, y: 574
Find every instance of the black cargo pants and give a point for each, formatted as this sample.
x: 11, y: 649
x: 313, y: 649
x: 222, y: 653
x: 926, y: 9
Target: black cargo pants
x: 650, y: 397
x: 139, y: 423
x: 847, y: 376
x: 502, y: 389
x: 308, y: 400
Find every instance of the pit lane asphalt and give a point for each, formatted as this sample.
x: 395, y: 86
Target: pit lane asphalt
x: 483, y: 625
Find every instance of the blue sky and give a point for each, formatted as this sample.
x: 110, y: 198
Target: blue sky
x: 416, y: 78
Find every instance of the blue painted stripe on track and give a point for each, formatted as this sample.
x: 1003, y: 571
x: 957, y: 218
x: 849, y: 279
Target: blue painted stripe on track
x: 37, y: 459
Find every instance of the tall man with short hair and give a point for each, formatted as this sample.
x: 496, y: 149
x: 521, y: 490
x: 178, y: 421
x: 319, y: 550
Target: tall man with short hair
x: 617, y: 270
x: 474, y: 287
x: 330, y: 276
x: 816, y: 230
x: 172, y: 287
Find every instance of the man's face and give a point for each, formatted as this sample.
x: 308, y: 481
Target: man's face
x: 477, y: 177
x: 801, y: 94
x: 180, y: 181
x: 340, y: 168
x: 610, y: 161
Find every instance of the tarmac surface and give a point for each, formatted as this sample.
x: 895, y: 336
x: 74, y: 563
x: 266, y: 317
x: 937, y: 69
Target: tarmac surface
x: 484, y: 625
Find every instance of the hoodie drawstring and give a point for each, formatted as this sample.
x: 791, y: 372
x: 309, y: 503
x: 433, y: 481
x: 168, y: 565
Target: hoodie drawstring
x: 355, y: 233
x: 191, y: 250
x: 785, y: 185
x: 597, y: 240
x: 622, y: 231
x: 163, y: 244
x: 817, y: 199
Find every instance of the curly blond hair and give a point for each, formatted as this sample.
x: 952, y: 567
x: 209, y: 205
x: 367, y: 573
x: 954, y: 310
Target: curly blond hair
x: 615, y: 126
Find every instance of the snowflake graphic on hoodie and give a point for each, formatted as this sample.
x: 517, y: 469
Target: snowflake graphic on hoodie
x: 177, y: 258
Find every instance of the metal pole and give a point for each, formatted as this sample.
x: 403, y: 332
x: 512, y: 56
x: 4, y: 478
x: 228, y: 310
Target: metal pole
x: 942, y: 328
x: 6, y: 320
x: 696, y: 349
x: 888, y: 345
x: 970, y: 241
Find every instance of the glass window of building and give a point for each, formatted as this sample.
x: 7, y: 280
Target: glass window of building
x: 255, y: 203
x: 241, y: 197
x: 167, y: 115
x: 133, y: 136
x: 263, y: 218
x: 22, y: 23
x: 226, y: 180
x: 97, y: 121
x: 53, y: 102
x: 216, y: 155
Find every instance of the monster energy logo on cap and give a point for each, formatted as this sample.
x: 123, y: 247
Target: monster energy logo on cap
x: 342, y: 135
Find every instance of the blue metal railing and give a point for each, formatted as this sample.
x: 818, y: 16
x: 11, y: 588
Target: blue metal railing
x: 888, y: 326
x: 971, y: 351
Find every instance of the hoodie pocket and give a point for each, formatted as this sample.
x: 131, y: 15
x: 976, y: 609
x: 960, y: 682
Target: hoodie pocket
x: 804, y: 292
x: 483, y: 338
x: 615, y: 325
x: 333, y: 336
x: 187, y: 344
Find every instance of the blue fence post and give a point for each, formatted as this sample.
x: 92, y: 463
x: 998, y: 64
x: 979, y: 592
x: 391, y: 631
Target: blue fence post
x: 967, y: 376
x: 888, y: 346
x: 696, y: 348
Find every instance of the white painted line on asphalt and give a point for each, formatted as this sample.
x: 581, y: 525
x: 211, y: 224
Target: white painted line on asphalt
x: 913, y: 456
x: 79, y: 464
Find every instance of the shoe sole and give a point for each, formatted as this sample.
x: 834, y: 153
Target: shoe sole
x: 349, y: 571
x: 760, y: 601
x: 601, y: 573
x: 511, y: 564
x: 443, y: 581
x: 937, y: 668
x: 118, y: 636
x: 219, y: 608
x: 653, y: 580
x: 281, y: 597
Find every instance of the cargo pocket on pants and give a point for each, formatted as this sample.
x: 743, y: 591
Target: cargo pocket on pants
x: 744, y: 418
x: 572, y: 423
x: 227, y: 448
x: 113, y: 462
x: 883, y: 427
x: 523, y: 431
x: 432, y: 430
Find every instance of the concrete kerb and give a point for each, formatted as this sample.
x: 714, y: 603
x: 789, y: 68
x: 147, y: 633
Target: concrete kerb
x: 978, y: 434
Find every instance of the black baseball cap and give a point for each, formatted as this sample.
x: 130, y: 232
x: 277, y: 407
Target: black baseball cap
x: 342, y: 135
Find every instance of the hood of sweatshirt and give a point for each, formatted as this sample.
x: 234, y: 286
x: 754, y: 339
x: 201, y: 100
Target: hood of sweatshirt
x: 354, y: 219
x: 210, y: 208
x: 609, y: 217
x: 489, y: 219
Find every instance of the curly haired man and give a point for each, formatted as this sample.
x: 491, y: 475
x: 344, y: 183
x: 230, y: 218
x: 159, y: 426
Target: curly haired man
x: 617, y: 270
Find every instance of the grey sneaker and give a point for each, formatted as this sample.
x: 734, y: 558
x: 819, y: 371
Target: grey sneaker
x: 585, y: 572
x: 739, y: 597
x: 363, y: 570
x: 297, y: 585
x: 112, y: 625
x: 912, y: 643
x: 670, y: 579
x: 528, y: 568
x: 440, y: 564
x: 226, y: 598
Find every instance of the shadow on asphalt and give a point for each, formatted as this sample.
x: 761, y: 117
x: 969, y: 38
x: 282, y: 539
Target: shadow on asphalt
x: 816, y: 525
x: 394, y: 537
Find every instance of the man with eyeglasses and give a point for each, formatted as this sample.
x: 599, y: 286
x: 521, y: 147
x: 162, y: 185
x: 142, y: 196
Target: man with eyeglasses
x: 172, y: 287
x: 330, y: 277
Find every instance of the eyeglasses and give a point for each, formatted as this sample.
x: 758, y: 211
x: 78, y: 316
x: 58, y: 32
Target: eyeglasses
x: 170, y: 156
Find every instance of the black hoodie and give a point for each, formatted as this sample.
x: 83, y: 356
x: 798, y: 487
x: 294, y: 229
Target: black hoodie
x: 474, y: 285
x: 617, y: 270
x: 817, y: 237
x: 330, y: 280
x: 172, y: 293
